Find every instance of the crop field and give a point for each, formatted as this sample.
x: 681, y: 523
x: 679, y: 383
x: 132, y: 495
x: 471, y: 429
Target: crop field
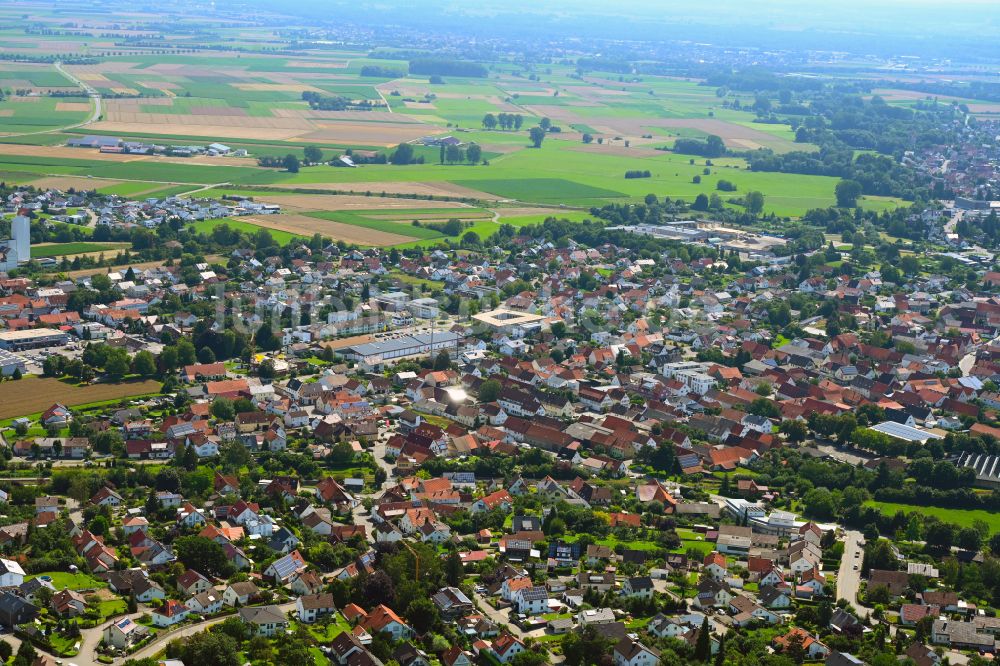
x: 36, y: 394
x: 253, y: 100
x: 305, y: 226
x: 35, y: 114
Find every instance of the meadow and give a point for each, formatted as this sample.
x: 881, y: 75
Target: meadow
x: 65, y: 249
x: 960, y: 517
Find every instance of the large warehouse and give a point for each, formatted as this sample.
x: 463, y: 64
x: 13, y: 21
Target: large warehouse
x: 9, y: 363
x: 32, y: 338
x: 376, y: 355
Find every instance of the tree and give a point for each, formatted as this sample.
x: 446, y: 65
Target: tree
x: 423, y: 614
x: 537, y: 135
x: 939, y: 535
x: 442, y: 361
x: 222, y: 409
x: 144, y: 364
x: 848, y: 192
x: 402, y: 155
x: 379, y: 589
x: 266, y: 370
x: 700, y: 202
x: 754, y: 203
x: 453, y: 569
x: 313, y: 154
x: 474, y: 153
x: 207, y: 648
x: 25, y: 654
x: 185, y: 352
x: 265, y: 338
x: 489, y: 390
x: 796, y: 431
x: 203, y: 555
x: 117, y: 364
x: 290, y: 163
x: 5, y: 651
x: 489, y: 121
x: 588, y: 138
x: 969, y: 539
x: 453, y: 153
x: 585, y: 648
x: 703, y: 646
x: 530, y: 658
x: 206, y: 355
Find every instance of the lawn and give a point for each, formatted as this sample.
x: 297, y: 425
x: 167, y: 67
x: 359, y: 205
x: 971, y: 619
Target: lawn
x: 960, y: 517
x: 324, y: 633
x: 74, y: 581
x: 112, y: 607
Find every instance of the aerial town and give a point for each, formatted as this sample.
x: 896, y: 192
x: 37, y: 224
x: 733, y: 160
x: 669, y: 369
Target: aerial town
x: 342, y: 340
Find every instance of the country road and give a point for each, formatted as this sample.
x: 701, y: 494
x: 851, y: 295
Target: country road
x: 188, y: 630
x: 91, y: 93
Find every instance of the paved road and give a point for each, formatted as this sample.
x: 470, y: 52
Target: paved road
x: 849, y: 576
x: 91, y: 92
x: 188, y: 630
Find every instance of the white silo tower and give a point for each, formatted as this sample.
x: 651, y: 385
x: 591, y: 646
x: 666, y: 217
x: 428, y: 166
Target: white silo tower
x: 20, y: 229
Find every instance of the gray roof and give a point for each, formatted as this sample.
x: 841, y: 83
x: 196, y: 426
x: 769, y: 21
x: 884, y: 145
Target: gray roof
x: 905, y: 432
x: 404, y: 342
x: 262, y: 615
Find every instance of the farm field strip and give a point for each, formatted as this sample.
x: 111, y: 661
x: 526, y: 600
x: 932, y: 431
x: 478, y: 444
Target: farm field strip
x: 36, y: 394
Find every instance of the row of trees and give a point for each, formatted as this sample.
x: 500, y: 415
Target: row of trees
x: 505, y: 121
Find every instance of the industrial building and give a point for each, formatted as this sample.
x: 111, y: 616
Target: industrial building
x: 376, y: 355
x: 32, y: 338
x: 9, y: 363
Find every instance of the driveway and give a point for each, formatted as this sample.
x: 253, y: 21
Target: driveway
x: 500, y: 617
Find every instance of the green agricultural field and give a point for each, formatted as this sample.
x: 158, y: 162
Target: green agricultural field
x: 540, y: 189
x: 35, y: 114
x: 206, y: 226
x: 961, y: 517
x: 63, y: 249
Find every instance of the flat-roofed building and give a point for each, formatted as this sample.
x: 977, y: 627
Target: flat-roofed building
x: 376, y: 355
x: 9, y: 363
x: 508, y: 321
x: 32, y: 338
